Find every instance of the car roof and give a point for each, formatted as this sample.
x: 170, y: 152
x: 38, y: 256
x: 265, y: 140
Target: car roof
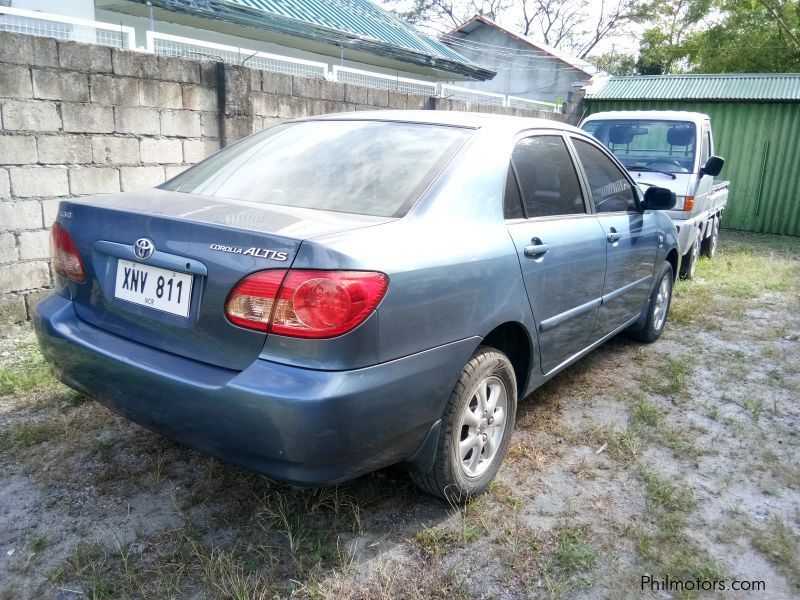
x: 448, y: 117
x: 656, y: 115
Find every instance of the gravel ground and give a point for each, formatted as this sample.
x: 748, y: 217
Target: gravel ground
x: 675, y: 460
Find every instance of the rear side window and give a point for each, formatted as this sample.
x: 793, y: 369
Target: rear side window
x: 547, y: 177
x: 364, y: 167
x: 611, y: 191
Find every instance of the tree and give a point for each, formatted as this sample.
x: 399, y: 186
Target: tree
x: 441, y: 16
x: 615, y: 63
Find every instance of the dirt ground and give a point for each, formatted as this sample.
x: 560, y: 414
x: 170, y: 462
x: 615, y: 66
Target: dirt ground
x: 679, y: 459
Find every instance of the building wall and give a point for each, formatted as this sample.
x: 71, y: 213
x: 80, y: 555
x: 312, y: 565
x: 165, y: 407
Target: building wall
x: 82, y: 9
x: 760, y: 142
x: 80, y: 119
x: 541, y: 78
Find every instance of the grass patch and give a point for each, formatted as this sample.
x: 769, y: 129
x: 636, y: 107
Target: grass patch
x: 26, y: 435
x: 29, y: 372
x: 573, y: 553
x: 780, y: 546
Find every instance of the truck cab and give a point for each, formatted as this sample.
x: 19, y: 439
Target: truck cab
x: 674, y: 150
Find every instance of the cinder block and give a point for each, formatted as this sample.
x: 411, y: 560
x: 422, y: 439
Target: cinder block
x: 30, y: 50
x: 50, y: 210
x: 160, y: 94
x: 115, y: 91
x: 52, y: 84
x: 197, y: 97
x: 8, y: 248
x: 34, y: 244
x: 87, y: 118
x: 30, y: 116
x: 17, y: 149
x: 265, y: 105
x: 238, y: 126
x: 209, y: 125
x: 398, y: 100
x: 18, y: 277
x: 42, y: 182
x: 5, y: 184
x: 93, y: 180
x: 193, y: 151
x: 176, y: 69
x: 137, y: 120
x: 417, y: 102
x: 154, y: 150
x: 15, y: 216
x: 291, y: 108
x: 84, y: 57
x: 181, y: 123
x: 276, y: 83
x: 208, y: 72
x: 321, y: 107
x: 377, y: 98
x: 12, y: 308
x: 115, y: 150
x: 356, y: 94
x: 128, y: 63
x: 141, y: 178
x: 319, y: 89
x: 64, y: 149
x: 15, y: 82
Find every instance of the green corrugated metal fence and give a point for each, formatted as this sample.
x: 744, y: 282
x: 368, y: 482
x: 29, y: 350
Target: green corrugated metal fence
x: 761, y: 146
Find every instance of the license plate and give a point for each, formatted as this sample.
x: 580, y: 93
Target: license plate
x: 161, y: 289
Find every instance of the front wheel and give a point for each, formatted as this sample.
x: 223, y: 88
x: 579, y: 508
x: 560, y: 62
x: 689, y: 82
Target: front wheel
x: 657, y: 308
x: 711, y: 243
x: 689, y: 262
x: 476, y: 428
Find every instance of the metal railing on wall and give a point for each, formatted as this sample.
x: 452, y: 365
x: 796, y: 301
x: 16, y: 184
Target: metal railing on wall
x: 66, y: 28
x: 120, y: 36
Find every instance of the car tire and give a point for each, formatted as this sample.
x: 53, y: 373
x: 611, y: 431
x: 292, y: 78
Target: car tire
x: 473, y: 441
x: 689, y: 262
x: 712, y: 241
x: 657, y: 308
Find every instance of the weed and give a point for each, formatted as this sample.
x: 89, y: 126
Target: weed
x: 780, y: 546
x: 573, y: 552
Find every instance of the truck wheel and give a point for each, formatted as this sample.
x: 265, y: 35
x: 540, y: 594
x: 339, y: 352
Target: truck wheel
x: 712, y: 241
x: 476, y: 428
x: 689, y: 262
x: 657, y: 308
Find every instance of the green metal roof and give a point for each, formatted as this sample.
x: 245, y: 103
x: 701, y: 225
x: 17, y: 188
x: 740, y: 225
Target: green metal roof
x: 356, y: 24
x: 775, y: 87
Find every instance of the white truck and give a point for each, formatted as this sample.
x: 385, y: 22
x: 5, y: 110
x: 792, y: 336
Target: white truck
x: 674, y: 150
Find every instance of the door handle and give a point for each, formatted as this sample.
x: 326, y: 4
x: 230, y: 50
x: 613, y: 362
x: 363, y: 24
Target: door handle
x: 612, y: 236
x: 536, y: 248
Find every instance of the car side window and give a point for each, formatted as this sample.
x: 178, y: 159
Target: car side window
x: 512, y: 201
x: 611, y: 191
x: 547, y: 177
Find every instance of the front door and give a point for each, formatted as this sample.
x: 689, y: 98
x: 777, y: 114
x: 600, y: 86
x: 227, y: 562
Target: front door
x: 630, y: 235
x: 560, y: 245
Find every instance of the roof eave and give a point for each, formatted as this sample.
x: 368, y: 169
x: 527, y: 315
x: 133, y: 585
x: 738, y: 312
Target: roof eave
x: 241, y: 15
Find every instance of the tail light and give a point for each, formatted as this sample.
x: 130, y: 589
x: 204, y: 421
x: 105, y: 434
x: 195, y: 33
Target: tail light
x: 305, y: 303
x: 66, y: 260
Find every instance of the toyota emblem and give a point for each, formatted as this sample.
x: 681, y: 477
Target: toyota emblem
x: 144, y: 248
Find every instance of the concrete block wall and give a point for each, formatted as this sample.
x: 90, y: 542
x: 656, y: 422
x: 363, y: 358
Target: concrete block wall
x: 79, y: 119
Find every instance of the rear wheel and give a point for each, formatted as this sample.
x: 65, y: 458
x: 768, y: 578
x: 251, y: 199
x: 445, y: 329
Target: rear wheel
x: 476, y: 428
x: 712, y: 241
x: 689, y: 262
x: 657, y: 308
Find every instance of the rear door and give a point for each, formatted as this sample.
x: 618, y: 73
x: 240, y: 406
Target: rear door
x: 631, y: 239
x: 560, y: 245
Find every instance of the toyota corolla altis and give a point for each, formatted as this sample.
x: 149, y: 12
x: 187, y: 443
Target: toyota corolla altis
x: 341, y: 293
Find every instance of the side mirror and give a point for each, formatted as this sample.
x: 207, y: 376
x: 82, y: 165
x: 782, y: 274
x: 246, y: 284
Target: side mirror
x: 713, y: 166
x: 658, y: 198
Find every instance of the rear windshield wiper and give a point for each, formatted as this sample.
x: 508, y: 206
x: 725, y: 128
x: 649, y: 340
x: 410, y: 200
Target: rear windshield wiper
x: 650, y: 169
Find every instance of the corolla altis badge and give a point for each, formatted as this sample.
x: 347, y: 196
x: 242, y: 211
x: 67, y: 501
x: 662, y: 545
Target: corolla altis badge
x: 257, y: 252
x: 144, y: 248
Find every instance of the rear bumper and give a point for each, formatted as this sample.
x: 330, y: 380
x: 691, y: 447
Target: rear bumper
x: 299, y: 425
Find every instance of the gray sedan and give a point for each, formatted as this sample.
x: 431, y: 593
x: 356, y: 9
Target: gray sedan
x: 337, y: 294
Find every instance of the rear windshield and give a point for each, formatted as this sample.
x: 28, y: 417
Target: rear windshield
x: 652, y: 144
x: 364, y: 167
